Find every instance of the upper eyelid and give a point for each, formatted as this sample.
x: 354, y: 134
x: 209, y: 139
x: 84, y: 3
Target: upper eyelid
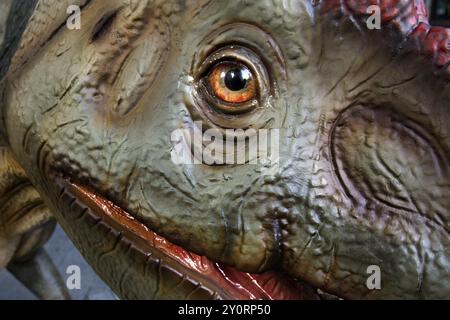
x: 231, y: 53
x: 222, y: 62
x: 254, y: 39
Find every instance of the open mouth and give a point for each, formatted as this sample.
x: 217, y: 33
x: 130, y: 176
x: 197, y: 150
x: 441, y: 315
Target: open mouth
x: 225, y: 282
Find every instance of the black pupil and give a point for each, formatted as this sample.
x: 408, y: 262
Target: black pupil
x: 236, y: 79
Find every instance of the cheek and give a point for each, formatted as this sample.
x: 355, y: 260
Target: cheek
x: 386, y: 160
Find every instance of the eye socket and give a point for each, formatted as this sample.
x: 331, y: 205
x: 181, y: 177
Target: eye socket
x: 232, y: 83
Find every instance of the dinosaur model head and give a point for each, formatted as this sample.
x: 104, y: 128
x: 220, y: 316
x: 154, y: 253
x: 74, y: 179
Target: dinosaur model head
x: 103, y: 118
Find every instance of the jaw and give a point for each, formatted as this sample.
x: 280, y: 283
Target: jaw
x: 140, y: 264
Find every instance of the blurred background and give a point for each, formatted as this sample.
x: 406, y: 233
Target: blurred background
x: 439, y: 12
x: 64, y: 254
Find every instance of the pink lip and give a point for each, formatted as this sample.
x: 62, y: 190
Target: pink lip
x: 269, y: 285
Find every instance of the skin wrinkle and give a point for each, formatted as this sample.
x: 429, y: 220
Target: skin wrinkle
x: 114, y: 154
x: 146, y: 199
x: 175, y: 187
x: 421, y: 273
x: 385, y: 166
x: 62, y: 97
x: 26, y: 137
x: 246, y: 195
x: 331, y: 265
x: 227, y: 233
x: 122, y: 279
x: 402, y: 82
x: 158, y: 279
x: 22, y: 212
x: 129, y: 180
x: 38, y: 157
x: 341, y: 79
x: 370, y: 77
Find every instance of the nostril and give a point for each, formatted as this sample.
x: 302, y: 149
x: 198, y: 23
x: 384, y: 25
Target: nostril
x: 103, y: 26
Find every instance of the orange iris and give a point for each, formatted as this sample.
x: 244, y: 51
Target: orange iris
x: 232, y: 83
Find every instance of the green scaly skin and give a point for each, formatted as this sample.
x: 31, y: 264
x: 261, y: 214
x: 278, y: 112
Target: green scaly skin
x: 364, y: 175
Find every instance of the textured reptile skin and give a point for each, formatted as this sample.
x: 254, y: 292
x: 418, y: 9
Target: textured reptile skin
x: 364, y: 174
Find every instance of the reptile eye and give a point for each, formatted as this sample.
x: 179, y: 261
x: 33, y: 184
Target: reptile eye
x: 232, y: 83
